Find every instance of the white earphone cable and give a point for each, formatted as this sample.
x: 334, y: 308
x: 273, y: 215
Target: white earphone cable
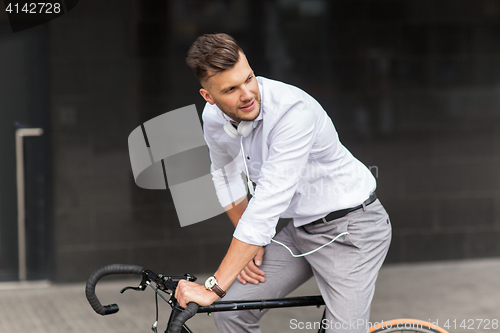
x: 312, y: 251
x: 249, y: 182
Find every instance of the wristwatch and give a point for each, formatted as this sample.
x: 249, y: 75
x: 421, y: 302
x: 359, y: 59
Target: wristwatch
x: 211, y: 284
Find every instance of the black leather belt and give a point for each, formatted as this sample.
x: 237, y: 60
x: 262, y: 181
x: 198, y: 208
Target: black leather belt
x: 343, y: 212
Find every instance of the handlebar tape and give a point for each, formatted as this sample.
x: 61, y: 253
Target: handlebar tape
x: 97, y: 275
x: 178, y: 322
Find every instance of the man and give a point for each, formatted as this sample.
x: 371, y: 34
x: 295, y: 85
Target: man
x: 284, y: 141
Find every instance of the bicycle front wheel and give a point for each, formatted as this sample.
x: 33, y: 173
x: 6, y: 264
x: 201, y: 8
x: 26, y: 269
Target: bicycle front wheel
x: 406, y: 325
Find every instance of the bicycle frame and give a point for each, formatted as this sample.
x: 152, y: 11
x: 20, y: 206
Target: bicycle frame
x: 287, y: 302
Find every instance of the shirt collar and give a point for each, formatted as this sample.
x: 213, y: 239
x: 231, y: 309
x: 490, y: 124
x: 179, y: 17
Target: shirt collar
x: 257, y: 120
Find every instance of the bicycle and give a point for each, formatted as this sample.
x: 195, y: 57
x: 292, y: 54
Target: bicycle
x: 179, y: 316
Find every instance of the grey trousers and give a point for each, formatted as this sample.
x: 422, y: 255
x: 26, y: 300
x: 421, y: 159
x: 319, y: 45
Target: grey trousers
x: 345, y: 270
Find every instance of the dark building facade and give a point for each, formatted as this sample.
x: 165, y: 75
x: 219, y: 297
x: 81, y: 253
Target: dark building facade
x: 413, y: 88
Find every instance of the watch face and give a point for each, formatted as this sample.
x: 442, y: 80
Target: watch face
x: 210, y: 282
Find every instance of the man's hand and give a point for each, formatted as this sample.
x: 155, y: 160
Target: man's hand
x: 193, y: 292
x: 252, y: 273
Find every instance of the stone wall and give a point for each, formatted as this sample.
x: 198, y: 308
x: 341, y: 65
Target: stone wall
x: 412, y: 87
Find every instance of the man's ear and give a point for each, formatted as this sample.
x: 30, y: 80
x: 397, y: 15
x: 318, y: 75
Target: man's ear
x: 206, y: 95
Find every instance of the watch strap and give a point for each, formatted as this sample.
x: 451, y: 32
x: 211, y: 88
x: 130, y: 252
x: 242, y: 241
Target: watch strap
x: 218, y: 290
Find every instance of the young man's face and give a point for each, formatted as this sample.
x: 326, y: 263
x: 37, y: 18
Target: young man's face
x: 235, y: 91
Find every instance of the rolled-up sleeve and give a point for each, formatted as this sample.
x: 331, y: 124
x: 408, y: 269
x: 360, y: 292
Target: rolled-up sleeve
x: 290, y: 144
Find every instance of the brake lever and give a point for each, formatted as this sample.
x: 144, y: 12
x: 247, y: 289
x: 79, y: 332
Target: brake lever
x: 190, y: 277
x: 132, y: 288
x: 142, y: 286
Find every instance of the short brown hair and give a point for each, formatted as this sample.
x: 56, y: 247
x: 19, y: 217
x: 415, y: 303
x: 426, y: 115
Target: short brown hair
x: 212, y: 52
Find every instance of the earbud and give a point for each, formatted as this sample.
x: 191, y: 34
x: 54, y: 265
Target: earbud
x: 244, y: 128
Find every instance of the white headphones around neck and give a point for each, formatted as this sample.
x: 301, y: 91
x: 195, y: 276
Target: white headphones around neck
x: 244, y: 128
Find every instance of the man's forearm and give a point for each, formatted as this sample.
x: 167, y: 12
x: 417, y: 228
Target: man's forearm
x: 236, y: 210
x: 239, y: 253
x: 237, y: 257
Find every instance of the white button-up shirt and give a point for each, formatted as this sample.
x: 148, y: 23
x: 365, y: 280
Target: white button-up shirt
x: 294, y: 156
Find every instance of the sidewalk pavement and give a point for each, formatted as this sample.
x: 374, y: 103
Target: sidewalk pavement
x: 463, y: 294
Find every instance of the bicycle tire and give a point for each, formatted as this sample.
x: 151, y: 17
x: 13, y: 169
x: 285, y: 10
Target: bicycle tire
x: 406, y: 325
